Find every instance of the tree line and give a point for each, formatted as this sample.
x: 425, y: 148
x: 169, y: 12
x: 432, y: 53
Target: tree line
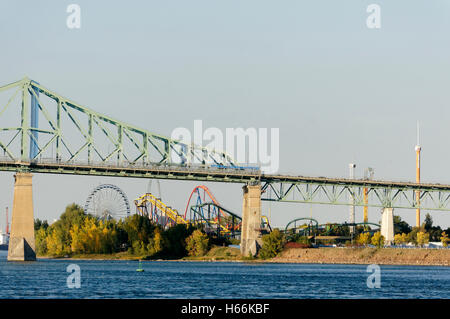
x: 276, y: 241
x: 78, y: 233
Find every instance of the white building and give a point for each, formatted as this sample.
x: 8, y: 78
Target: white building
x: 4, y: 238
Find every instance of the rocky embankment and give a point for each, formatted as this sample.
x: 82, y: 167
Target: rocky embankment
x: 383, y: 256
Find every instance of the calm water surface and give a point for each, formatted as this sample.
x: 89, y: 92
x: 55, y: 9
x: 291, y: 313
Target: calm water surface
x: 118, y: 279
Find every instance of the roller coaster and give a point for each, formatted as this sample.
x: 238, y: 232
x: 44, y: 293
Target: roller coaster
x: 202, y: 210
x: 311, y: 228
x: 216, y: 219
x: 150, y: 206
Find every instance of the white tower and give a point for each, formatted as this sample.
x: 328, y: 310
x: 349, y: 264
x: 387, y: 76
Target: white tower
x: 418, y: 149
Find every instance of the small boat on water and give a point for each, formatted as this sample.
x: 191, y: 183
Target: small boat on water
x: 140, y: 269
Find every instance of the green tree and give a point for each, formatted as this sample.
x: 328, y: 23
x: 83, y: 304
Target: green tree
x: 73, y: 215
x: 138, y: 229
x: 197, y: 244
x: 156, y: 244
x: 400, y: 226
x: 338, y: 230
x: 139, y: 248
x: 272, y: 244
x: 40, y: 224
x: 41, y: 241
x: 175, y: 240
x: 428, y: 222
x: 303, y: 240
x: 412, y: 236
x: 378, y: 240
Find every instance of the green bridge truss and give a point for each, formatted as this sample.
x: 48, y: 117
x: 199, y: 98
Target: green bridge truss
x: 69, y: 138
x: 332, y: 191
x: 81, y: 135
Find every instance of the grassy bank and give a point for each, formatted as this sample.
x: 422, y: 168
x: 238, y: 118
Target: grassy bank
x: 115, y: 256
x: 383, y: 256
x: 216, y: 253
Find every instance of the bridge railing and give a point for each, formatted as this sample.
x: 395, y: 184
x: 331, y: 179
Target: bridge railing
x: 129, y: 165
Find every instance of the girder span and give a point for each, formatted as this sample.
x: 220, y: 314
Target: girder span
x: 68, y: 132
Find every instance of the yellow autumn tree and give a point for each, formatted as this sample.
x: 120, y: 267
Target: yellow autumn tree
x: 197, y: 243
x: 401, y: 239
x: 41, y: 242
x: 156, y: 243
x: 363, y: 239
x: 378, y: 240
x: 422, y: 238
x: 404, y: 238
x: 444, y: 239
x: 89, y: 237
x: 55, y: 245
x: 398, y: 239
x: 77, y: 244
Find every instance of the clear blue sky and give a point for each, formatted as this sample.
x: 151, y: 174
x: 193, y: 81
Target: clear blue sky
x: 338, y: 91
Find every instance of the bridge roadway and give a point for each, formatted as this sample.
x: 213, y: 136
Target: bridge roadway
x: 201, y: 173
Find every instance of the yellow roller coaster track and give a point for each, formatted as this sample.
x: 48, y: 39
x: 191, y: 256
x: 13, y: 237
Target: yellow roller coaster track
x: 169, y: 212
x: 173, y: 215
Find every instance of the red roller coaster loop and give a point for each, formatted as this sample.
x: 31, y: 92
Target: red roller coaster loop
x: 200, y: 199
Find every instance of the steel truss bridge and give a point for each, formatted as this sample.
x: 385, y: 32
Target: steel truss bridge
x: 44, y: 132
x: 337, y: 191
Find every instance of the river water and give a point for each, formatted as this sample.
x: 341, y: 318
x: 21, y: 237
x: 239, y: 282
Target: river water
x: 47, y: 278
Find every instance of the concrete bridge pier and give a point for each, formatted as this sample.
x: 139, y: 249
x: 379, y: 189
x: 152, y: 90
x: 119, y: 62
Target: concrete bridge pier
x: 251, y: 220
x: 387, y: 225
x: 22, y: 243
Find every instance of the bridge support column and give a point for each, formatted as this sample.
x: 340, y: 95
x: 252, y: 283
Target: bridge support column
x: 251, y: 220
x: 387, y: 225
x: 22, y: 242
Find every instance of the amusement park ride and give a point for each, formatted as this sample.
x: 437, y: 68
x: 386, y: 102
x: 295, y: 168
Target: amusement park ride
x: 108, y: 201
x: 202, y: 210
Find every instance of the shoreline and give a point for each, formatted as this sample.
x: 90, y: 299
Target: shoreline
x: 366, y: 256
x: 334, y: 256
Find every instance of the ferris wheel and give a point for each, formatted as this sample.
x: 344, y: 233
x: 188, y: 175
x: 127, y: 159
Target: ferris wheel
x: 107, y: 202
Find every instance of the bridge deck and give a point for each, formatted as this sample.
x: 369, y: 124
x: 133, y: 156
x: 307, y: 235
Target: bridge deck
x: 202, y: 173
